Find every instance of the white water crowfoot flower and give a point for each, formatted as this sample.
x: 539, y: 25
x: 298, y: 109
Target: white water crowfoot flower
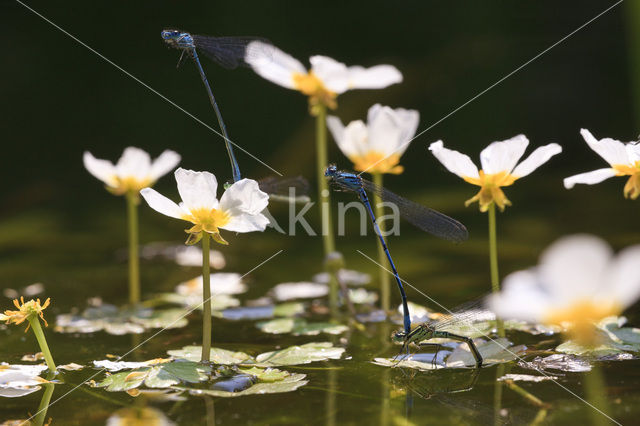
x: 499, y: 168
x: 624, y: 160
x: 376, y: 147
x: 134, y: 169
x: 324, y: 82
x: 578, y: 282
x: 238, y: 210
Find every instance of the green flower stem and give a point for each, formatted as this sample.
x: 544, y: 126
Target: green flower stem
x: 325, y: 200
x: 493, y: 260
x: 526, y: 395
x: 497, y: 395
x: 206, y: 300
x: 134, y: 265
x: 595, y: 386
x: 41, y: 414
x: 385, y: 293
x: 34, y: 322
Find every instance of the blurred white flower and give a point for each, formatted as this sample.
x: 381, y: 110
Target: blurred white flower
x: 376, y: 147
x: 624, y: 160
x: 238, y: 210
x: 578, y: 282
x: 134, y: 169
x: 499, y: 168
x: 324, y: 82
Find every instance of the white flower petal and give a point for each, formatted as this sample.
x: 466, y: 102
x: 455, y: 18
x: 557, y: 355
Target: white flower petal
x: 161, y: 204
x: 134, y: 162
x: 504, y: 155
x: 521, y: 298
x: 574, y: 267
x: 589, y: 178
x: 633, y: 152
x: 613, y: 151
x: 273, y: 64
x: 537, y: 158
x: 245, y: 222
x: 623, y: 278
x: 336, y: 128
x: 455, y: 162
x: 385, y: 133
x: 197, y: 189
x: 355, y: 139
x: 377, y: 77
x: 102, y: 169
x: 333, y: 74
x: 244, y: 196
x: 162, y: 165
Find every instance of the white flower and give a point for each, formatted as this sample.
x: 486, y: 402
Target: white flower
x: 624, y: 160
x: 376, y: 147
x: 238, y: 210
x: 578, y: 282
x: 324, y: 82
x: 134, y: 170
x: 499, y: 168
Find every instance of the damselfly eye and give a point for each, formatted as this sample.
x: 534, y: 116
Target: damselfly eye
x: 398, y: 336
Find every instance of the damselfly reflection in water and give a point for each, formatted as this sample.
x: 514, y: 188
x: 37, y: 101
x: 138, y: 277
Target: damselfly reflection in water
x: 462, y: 317
x: 424, y: 218
x: 230, y: 52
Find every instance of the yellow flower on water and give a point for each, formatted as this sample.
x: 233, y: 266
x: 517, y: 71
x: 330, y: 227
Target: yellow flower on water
x: 25, y: 311
x: 376, y: 146
x: 239, y: 209
x: 326, y: 79
x: 577, y: 283
x: 134, y: 169
x: 624, y: 160
x: 499, y: 167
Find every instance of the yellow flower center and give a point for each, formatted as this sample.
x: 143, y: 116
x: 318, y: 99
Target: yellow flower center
x: 26, y: 311
x: 120, y: 185
x: 632, y: 187
x: 580, y: 318
x: 207, y: 220
x: 310, y: 85
x: 490, y: 189
x: 377, y: 162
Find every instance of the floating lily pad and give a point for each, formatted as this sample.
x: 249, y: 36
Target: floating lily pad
x: 562, y: 362
x: 18, y: 380
x: 217, y: 355
x: 182, y: 255
x: 304, y: 354
x: 158, y: 376
x: 39, y: 356
x: 493, y: 352
x: 220, y: 282
x: 114, y: 366
x: 613, y: 339
x: 262, y: 312
x: 345, y: 276
x: 299, y: 290
x: 253, y: 381
x: 360, y: 296
x: 300, y: 327
x: 525, y: 378
x: 219, y: 302
x: 120, y: 321
x: 71, y: 367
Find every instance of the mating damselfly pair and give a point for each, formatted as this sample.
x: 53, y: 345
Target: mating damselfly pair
x: 424, y: 218
x: 230, y: 53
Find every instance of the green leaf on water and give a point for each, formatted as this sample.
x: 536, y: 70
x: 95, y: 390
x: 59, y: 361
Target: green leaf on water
x: 613, y: 339
x: 217, y: 355
x: 295, y: 355
x: 288, y: 309
x: 494, y: 351
x: 158, y: 376
x: 287, y: 384
x: 266, y: 374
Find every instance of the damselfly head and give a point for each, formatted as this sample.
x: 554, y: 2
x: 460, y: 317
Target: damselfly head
x: 178, y: 39
x: 398, y: 336
x: 331, y: 171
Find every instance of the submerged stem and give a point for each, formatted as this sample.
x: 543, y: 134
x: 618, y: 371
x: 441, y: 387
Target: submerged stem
x: 206, y: 300
x: 595, y: 386
x: 385, y: 292
x: 493, y: 260
x: 34, y: 321
x: 134, y: 268
x: 41, y: 414
x: 325, y: 201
